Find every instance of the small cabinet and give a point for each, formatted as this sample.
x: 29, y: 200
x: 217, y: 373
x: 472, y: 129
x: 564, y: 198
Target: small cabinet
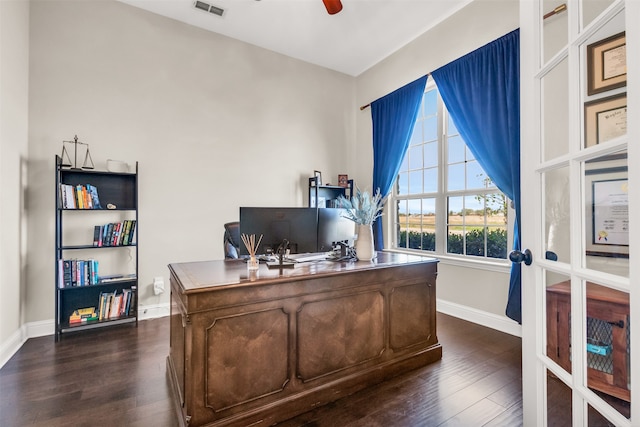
x: 96, y: 248
x: 326, y: 196
x: 607, y: 336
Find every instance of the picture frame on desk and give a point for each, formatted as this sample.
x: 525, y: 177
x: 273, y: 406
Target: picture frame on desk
x: 605, y: 119
x: 343, y: 180
x: 607, y: 64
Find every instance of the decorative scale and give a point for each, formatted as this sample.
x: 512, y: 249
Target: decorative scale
x: 66, y: 160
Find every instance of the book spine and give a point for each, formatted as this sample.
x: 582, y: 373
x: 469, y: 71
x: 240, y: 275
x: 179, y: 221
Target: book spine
x: 132, y: 233
x: 96, y: 235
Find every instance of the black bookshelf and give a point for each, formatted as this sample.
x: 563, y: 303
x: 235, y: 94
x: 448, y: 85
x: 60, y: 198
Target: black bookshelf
x: 118, y: 199
x: 326, y: 196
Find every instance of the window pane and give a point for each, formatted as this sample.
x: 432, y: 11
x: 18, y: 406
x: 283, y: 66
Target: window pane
x: 431, y: 154
x: 428, y: 225
x: 475, y: 175
x: 455, y: 228
x: 431, y: 180
x: 403, y: 183
x: 415, y: 157
x: 430, y: 103
x: 456, y: 149
x: 456, y: 177
x: 474, y: 229
x: 451, y: 127
x: 415, y: 182
x: 468, y: 154
x: 431, y: 129
x: 416, y: 136
x: 401, y: 226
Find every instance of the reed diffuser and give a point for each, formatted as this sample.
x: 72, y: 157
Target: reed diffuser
x: 252, y: 246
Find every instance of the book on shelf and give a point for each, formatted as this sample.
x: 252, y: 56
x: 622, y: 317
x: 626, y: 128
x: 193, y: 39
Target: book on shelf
x: 77, y: 272
x: 81, y: 196
x: 83, y: 315
x: 114, y: 233
x: 116, y: 278
x: 97, y: 240
x: 113, y: 305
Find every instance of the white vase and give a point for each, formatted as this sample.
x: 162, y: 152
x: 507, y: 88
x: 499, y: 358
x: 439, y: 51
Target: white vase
x: 365, y: 250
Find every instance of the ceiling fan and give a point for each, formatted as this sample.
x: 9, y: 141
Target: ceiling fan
x: 333, y: 6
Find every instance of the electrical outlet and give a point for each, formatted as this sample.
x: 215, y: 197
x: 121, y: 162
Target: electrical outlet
x: 158, y: 285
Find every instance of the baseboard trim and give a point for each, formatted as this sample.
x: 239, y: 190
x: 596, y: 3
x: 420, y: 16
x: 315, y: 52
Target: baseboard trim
x: 47, y: 327
x: 153, y: 311
x: 490, y: 320
x: 11, y: 346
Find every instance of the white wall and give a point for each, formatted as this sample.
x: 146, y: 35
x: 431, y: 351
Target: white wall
x: 14, y: 63
x: 477, y: 24
x: 214, y: 123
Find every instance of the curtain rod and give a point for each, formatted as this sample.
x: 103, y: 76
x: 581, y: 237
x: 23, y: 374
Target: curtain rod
x: 369, y: 104
x: 555, y: 11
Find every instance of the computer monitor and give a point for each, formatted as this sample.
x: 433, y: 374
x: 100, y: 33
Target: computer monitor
x: 334, y: 227
x: 297, y: 225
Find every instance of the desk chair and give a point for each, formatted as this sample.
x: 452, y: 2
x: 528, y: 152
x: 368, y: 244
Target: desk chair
x: 231, y: 240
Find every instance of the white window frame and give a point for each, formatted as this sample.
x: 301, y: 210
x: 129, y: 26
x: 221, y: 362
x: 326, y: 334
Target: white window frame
x: 441, y: 197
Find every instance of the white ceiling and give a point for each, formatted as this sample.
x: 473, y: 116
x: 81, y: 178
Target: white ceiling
x: 358, y: 37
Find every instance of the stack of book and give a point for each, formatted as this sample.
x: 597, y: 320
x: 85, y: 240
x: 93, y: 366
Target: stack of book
x: 83, y: 315
x: 79, y: 196
x: 77, y: 272
x: 113, y: 305
x: 115, y: 233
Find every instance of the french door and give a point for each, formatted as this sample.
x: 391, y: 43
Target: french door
x: 580, y: 188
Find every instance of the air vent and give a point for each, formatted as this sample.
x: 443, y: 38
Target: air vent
x: 208, y: 8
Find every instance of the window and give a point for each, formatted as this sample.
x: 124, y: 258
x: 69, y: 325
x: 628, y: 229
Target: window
x: 445, y: 202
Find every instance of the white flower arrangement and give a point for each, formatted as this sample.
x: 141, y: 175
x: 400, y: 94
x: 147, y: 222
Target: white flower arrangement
x: 362, y: 208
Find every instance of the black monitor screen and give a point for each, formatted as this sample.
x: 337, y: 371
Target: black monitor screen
x: 297, y: 225
x: 334, y: 227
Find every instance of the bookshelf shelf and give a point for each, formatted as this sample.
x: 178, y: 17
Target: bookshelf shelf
x: 78, y: 247
x: 77, y: 281
x: 67, y: 327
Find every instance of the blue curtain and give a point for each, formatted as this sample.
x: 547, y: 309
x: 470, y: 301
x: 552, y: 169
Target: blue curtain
x: 393, y: 116
x: 482, y: 93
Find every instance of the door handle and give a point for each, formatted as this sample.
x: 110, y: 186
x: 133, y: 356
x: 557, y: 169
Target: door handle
x: 518, y: 257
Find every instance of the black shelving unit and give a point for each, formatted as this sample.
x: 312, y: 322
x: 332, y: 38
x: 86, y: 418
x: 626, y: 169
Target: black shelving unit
x: 325, y: 196
x: 119, y: 191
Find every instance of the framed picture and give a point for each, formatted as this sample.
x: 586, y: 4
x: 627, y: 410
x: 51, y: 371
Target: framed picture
x: 343, y: 180
x: 607, y: 64
x: 318, y: 176
x: 605, y: 119
x: 607, y: 211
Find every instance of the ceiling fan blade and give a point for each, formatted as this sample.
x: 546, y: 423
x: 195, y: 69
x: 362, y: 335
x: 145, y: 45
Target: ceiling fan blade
x: 333, y: 6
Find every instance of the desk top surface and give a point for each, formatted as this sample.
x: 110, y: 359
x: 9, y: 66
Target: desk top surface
x: 202, y: 275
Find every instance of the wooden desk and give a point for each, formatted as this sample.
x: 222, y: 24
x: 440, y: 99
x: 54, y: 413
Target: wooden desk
x: 263, y: 348
x: 603, y: 305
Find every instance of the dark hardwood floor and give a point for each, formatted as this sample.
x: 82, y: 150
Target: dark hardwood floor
x: 117, y: 377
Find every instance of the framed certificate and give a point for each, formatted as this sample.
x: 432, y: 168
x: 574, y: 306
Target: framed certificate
x: 605, y: 119
x: 607, y: 212
x: 607, y: 64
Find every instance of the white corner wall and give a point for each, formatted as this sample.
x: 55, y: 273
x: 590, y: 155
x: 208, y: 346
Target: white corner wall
x: 475, y: 293
x: 14, y: 66
x: 214, y: 123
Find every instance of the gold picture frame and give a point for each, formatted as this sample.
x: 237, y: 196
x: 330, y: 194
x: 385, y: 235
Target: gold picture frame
x: 605, y: 119
x: 607, y: 64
